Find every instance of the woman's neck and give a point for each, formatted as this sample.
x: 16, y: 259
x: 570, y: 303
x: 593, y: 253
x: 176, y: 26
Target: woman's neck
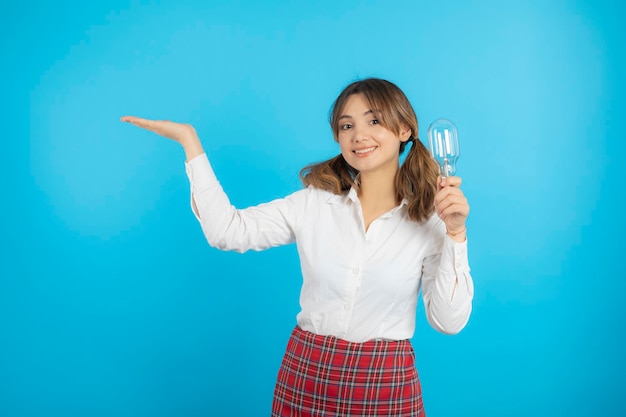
x: 377, y: 196
x: 378, y: 187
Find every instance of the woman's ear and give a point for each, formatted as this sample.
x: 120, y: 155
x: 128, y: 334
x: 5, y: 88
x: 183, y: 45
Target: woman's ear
x: 405, y: 133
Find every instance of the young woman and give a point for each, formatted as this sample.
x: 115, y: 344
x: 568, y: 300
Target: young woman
x: 370, y: 234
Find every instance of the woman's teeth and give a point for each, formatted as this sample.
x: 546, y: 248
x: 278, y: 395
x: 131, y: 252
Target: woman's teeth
x: 361, y: 151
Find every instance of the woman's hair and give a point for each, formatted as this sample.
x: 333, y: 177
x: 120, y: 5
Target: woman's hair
x: 416, y: 179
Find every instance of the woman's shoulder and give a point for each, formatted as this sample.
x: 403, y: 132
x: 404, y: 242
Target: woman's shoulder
x: 310, y: 194
x: 314, y: 198
x: 322, y: 194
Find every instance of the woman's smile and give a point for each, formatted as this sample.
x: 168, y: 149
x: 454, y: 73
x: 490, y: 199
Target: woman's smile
x: 363, y: 152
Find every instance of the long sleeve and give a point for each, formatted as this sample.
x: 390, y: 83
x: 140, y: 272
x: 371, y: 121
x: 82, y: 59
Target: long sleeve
x: 227, y: 228
x: 447, y: 287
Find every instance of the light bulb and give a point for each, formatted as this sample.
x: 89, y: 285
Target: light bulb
x: 443, y: 142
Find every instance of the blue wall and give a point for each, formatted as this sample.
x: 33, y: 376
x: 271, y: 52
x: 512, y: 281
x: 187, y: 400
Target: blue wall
x: 111, y: 302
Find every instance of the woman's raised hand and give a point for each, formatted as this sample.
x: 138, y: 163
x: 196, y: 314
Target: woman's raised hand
x: 179, y: 132
x: 452, y: 207
x: 183, y: 133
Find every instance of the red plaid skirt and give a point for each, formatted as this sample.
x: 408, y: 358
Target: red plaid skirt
x: 327, y: 376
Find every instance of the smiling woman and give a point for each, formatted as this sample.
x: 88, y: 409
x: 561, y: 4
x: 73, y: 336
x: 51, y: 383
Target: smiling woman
x: 368, y: 239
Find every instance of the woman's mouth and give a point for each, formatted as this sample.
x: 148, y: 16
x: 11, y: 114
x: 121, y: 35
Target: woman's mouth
x: 364, y: 151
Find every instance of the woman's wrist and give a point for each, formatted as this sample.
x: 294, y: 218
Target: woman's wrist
x: 457, y: 235
x: 192, y: 146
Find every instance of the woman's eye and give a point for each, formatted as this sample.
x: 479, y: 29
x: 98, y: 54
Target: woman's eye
x: 346, y: 126
x: 374, y: 121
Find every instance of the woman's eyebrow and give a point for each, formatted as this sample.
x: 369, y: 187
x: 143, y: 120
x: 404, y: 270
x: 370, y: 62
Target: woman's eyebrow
x: 347, y: 116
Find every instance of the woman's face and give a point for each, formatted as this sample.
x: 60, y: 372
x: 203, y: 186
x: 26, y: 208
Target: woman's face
x: 365, y: 144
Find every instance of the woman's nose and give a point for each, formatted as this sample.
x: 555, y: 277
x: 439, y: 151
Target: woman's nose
x: 359, y: 134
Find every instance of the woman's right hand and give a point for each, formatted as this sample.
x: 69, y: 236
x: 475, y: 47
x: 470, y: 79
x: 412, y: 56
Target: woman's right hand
x: 183, y: 133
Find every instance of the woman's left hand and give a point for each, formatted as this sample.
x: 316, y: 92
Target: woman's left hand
x: 451, y: 206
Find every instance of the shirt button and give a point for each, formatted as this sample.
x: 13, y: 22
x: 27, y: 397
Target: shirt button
x: 355, y: 271
x: 346, y: 306
x: 368, y: 242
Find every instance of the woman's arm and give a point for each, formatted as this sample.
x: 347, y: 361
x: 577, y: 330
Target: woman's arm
x: 224, y: 226
x: 447, y: 286
x: 228, y: 228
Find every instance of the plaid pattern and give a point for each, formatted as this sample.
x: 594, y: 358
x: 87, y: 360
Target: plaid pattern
x: 326, y: 376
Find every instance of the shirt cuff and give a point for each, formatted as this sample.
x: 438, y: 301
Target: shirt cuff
x: 200, y: 173
x: 454, y: 257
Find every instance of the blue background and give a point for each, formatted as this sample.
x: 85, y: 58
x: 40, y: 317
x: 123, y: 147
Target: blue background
x: 112, y: 303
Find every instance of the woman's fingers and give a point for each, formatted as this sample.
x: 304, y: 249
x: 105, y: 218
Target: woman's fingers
x: 456, y: 209
x: 155, y: 126
x: 448, y: 182
x: 451, y: 204
x: 135, y: 120
x: 459, y: 202
x: 447, y: 191
x: 177, y: 131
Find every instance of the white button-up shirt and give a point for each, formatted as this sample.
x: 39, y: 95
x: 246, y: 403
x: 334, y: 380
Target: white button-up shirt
x: 358, y: 285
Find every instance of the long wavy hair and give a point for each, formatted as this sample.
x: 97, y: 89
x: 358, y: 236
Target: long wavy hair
x: 416, y: 179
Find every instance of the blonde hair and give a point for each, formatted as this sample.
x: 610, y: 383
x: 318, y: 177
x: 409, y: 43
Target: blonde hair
x: 416, y: 179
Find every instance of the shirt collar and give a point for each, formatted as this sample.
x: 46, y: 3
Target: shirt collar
x: 343, y: 198
x: 351, y: 195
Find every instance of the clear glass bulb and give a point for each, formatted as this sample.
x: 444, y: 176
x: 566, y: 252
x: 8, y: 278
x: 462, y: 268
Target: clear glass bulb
x: 443, y: 142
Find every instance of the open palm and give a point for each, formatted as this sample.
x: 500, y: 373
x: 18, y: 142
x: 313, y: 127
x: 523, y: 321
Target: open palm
x: 183, y: 133
x: 180, y: 132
